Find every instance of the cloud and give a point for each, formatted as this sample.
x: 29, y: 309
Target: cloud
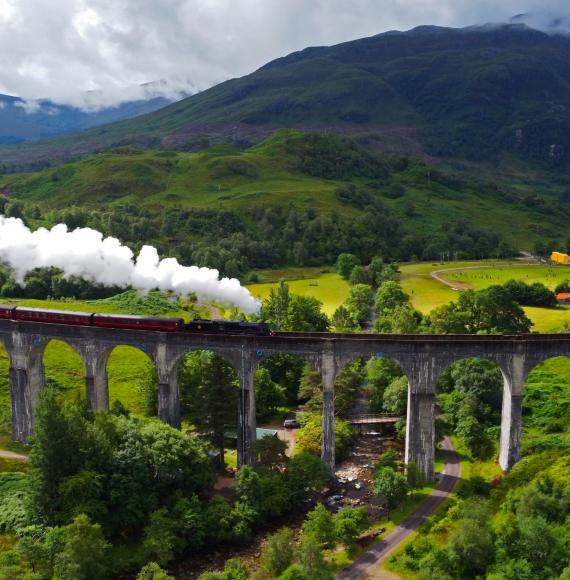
x: 85, y: 253
x: 93, y: 53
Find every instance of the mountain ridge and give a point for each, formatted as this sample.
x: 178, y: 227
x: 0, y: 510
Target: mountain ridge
x: 471, y: 93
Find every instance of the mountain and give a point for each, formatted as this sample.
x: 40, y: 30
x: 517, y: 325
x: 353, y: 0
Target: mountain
x: 472, y: 93
x: 22, y: 120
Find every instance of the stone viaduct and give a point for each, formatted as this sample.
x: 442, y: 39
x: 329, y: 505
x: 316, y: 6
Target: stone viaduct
x: 421, y: 357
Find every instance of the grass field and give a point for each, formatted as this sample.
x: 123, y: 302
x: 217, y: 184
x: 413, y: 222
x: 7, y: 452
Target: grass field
x: 329, y: 288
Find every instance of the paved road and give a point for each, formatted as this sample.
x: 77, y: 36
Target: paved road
x: 11, y: 455
x: 380, y: 551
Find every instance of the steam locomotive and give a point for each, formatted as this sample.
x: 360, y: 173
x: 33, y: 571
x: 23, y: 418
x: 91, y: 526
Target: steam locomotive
x: 128, y: 322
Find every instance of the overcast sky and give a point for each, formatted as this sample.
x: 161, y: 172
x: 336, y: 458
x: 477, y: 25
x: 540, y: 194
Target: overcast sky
x: 59, y: 49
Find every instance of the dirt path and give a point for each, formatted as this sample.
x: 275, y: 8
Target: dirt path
x: 11, y: 455
x: 368, y: 565
x: 437, y: 275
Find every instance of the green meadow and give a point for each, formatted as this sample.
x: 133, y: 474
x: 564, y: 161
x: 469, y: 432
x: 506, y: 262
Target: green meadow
x: 329, y: 288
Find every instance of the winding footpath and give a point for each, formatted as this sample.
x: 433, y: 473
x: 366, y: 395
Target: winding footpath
x: 11, y: 455
x: 437, y: 275
x: 373, y: 558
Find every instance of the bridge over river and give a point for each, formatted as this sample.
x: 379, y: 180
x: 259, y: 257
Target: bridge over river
x: 421, y: 357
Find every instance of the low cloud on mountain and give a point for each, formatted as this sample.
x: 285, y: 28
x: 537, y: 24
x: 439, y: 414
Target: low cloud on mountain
x: 97, y: 53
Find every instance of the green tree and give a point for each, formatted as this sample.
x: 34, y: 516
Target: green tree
x: 248, y: 488
x: 486, y: 311
x: 312, y: 561
x: 271, y: 453
x: 358, y: 302
x: 396, y: 396
x: 471, y: 548
x: 153, y: 571
x: 306, y: 315
x: 342, y: 321
x: 414, y: 476
x: 380, y: 372
x: 320, y: 525
x: 278, y: 553
x: 161, y: 538
x: 308, y: 439
x: 234, y: 569
x: 275, y: 309
x: 84, y: 554
x: 306, y: 473
x: 345, y: 264
x: 358, y: 275
x: 388, y: 296
x: 209, y: 394
x: 392, y: 485
x: 349, y: 523
x: 269, y: 396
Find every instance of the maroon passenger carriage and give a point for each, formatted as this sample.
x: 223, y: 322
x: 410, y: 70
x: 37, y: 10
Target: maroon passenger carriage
x: 128, y: 322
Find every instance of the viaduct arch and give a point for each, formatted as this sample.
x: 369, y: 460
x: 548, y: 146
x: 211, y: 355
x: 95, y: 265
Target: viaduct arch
x: 421, y: 357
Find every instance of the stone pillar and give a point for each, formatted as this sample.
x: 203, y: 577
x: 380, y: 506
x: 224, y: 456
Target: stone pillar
x: 247, y: 425
x: 168, y: 391
x: 422, y: 375
x: 96, y: 382
x: 26, y: 382
x: 514, y: 376
x: 328, y: 375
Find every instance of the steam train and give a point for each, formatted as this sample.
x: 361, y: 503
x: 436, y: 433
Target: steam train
x: 128, y: 322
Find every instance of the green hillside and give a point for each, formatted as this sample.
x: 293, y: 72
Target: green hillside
x: 471, y: 93
x: 294, y: 199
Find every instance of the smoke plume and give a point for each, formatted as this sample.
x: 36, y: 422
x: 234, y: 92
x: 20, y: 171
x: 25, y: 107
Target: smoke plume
x: 85, y: 253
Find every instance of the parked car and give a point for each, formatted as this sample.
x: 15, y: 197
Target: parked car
x: 290, y: 423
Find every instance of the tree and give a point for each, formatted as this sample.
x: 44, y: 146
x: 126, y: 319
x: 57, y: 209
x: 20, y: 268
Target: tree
x: 402, y: 320
x: 313, y: 564
x: 285, y: 311
x: 358, y: 302
x: 414, y: 476
x: 275, y: 309
x: 392, y: 485
x: 209, y: 393
x: 563, y: 287
x: 278, y: 553
x: 388, y: 296
x: 248, y: 488
x: 396, y: 396
x: 52, y: 441
x: 153, y: 571
x: 358, y: 275
x: 306, y: 315
x: 487, y: 311
x: 342, y: 321
x: 84, y: 554
x: 271, y: 452
x: 295, y: 572
x: 380, y: 372
x: 161, y: 537
x: 471, y: 548
x: 349, y: 523
x: 269, y: 396
x: 306, y: 474
x: 320, y: 525
x: 308, y: 439
x: 234, y: 569
x: 345, y: 264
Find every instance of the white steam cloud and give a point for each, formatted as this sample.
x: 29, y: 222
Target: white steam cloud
x: 85, y: 253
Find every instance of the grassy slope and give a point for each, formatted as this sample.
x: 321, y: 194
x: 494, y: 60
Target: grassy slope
x: 329, y: 288
x: 207, y: 180
x: 427, y: 293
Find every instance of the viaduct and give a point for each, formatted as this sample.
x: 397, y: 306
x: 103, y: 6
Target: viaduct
x: 421, y: 357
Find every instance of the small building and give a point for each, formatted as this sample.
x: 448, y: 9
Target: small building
x: 563, y: 298
x: 559, y: 258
